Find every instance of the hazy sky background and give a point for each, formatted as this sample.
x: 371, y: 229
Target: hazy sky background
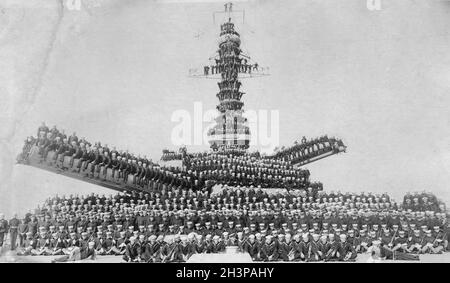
x: 380, y: 80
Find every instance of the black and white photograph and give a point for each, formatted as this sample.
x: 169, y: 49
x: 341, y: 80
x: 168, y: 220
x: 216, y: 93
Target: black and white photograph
x: 232, y: 132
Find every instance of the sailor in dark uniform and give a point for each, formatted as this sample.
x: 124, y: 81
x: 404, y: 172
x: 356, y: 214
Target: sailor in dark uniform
x: 322, y: 247
x: 217, y: 245
x: 42, y: 130
x: 286, y: 249
x: 13, y: 231
x: 132, y: 251
x: 400, y: 248
x: 251, y: 247
x: 333, y: 253
x: 346, y: 250
x: 3, y: 229
x: 77, y: 154
x: 123, y: 169
x: 268, y: 250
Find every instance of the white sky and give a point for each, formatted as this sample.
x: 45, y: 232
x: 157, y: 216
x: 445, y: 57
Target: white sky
x: 379, y: 80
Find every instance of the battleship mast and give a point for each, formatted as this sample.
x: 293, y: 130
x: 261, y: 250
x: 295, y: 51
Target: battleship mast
x: 231, y: 131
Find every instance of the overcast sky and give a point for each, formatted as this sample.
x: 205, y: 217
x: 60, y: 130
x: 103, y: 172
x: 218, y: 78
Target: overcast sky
x: 380, y: 80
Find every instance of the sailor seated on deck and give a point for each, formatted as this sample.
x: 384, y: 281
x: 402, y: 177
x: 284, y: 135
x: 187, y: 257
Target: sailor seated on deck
x: 280, y: 223
x: 79, y: 254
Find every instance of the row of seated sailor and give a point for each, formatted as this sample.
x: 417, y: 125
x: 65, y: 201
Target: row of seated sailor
x: 424, y: 201
x: 349, y: 222
x: 109, y: 165
x: 229, y: 95
x: 229, y: 105
x: 222, y: 68
x: 100, y: 162
x: 429, y: 218
x: 250, y: 165
x: 309, y: 149
x: 103, y: 158
x: 258, y: 176
x: 389, y: 218
x: 221, y: 162
x: 171, y: 156
x: 241, y: 157
x: 229, y: 85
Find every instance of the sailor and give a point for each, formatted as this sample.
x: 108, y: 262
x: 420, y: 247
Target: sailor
x: 76, y: 254
x: 363, y: 241
x: 132, y: 251
x: 13, y: 231
x: 152, y: 249
x: 29, y: 245
x: 86, y: 154
x: 189, y: 247
x: 219, y: 229
x: 77, y: 154
x: 99, y: 240
x: 387, y: 243
x: 200, y: 246
x: 312, y: 248
x: 333, y: 252
x: 57, y: 245
x: 252, y: 248
x: 173, y: 251
x: 415, y: 242
x: 43, y: 129
x: 68, y: 150
x: 346, y: 250
x: 323, y: 247
x: 302, y: 246
x: 401, y: 250
x: 3, y: 229
x: 439, y: 243
x: 428, y: 244
x: 109, y: 244
x: 72, y: 242
x: 208, y: 229
x: 42, y: 243
x: 218, y: 245
x: 227, y: 241
x: 120, y: 243
x: 268, y: 250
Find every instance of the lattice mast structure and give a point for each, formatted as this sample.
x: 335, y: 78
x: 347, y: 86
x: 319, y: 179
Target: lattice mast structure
x: 231, y: 130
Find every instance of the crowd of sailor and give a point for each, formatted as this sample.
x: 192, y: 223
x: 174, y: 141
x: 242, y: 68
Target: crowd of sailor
x: 250, y: 170
x: 227, y: 95
x: 171, y: 226
x: 230, y: 62
x: 171, y: 155
x: 77, y: 155
x: 424, y: 201
x: 229, y: 105
x: 174, y: 218
x: 307, y: 149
